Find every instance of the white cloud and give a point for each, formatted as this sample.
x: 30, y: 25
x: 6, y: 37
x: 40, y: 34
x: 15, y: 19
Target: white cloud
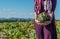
x: 7, y: 13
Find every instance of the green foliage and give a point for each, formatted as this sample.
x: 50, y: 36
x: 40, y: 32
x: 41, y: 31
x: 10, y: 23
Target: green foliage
x: 58, y: 29
x: 23, y: 30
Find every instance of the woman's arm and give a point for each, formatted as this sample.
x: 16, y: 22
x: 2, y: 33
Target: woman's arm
x: 45, y: 23
x: 35, y: 17
x: 51, y: 15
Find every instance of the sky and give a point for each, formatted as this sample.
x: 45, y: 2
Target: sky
x: 21, y: 9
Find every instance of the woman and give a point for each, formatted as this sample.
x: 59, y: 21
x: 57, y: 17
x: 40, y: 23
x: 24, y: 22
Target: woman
x: 46, y: 30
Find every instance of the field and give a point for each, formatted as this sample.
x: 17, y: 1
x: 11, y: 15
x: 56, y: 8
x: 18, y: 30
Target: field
x: 21, y: 30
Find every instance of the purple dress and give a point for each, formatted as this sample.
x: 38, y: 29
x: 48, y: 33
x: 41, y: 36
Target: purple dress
x: 48, y: 31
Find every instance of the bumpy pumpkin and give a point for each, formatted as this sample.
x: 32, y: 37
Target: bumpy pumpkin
x: 42, y: 17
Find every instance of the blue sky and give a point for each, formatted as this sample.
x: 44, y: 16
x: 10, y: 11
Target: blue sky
x: 21, y: 9
x: 57, y: 10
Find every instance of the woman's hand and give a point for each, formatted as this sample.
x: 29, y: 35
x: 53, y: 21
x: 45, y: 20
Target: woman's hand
x: 51, y: 15
x: 39, y: 23
x: 45, y: 23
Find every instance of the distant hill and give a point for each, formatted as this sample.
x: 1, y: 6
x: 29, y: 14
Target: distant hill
x: 15, y: 19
